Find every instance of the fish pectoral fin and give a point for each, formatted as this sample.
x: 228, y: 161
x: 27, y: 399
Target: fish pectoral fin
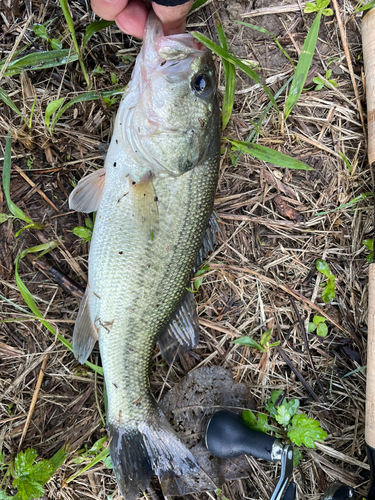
x: 85, y: 332
x: 182, y: 332
x: 209, y: 240
x: 144, y: 204
x: 86, y: 196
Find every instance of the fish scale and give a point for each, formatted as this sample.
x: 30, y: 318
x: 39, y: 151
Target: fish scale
x: 153, y: 201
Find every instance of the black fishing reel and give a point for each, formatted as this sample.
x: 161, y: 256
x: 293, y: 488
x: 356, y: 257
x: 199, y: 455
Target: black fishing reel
x: 227, y: 436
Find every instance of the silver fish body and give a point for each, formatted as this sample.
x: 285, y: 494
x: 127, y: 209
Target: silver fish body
x: 154, y: 200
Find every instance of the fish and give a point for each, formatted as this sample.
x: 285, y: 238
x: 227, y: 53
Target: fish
x: 154, y: 200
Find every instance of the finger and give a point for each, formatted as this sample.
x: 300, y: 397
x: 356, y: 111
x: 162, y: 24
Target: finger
x: 132, y: 19
x: 173, y: 19
x: 108, y: 9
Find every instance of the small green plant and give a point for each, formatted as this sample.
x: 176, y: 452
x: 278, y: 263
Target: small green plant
x: 29, y: 477
x: 114, y: 79
x: 360, y: 7
x: 85, y: 232
x: 370, y: 245
x: 328, y: 293
x: 318, y: 324
x: 200, y: 276
x: 264, y: 344
x: 308, y: 49
x: 299, y: 429
x: 220, y: 495
x: 41, y: 31
x: 320, y: 83
x: 99, y: 452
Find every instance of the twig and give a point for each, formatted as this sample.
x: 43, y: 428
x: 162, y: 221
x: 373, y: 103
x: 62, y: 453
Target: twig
x: 278, y: 9
x: 350, y: 66
x: 297, y: 373
x: 306, y: 342
x: 32, y: 184
x: 34, y: 400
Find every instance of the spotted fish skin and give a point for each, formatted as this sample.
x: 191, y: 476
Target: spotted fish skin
x: 154, y: 201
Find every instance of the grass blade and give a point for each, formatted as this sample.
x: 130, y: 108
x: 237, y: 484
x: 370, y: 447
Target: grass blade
x: 8, y: 101
x: 224, y: 54
x: 270, y: 155
x: 230, y: 80
x: 69, y: 21
x: 252, y: 136
x: 87, y: 96
x: 303, y: 66
x: 29, y: 299
x: 197, y: 5
x: 51, y: 108
x: 266, y: 32
x: 362, y: 196
x: 94, y: 28
x: 17, y: 212
x: 40, y: 60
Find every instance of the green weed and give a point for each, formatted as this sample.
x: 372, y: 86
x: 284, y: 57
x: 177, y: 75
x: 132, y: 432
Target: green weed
x: 230, y: 79
x: 328, y: 293
x: 41, y: 31
x: 318, y: 324
x: 85, y: 232
x: 29, y: 477
x: 97, y: 453
x: 269, y: 155
x: 370, y: 245
x: 308, y: 49
x: 297, y: 427
x: 360, y: 7
x: 321, y: 82
x: 355, y: 200
x: 8, y: 101
x: 264, y: 344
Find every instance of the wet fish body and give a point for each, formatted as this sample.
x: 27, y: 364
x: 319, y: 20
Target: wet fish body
x: 153, y: 200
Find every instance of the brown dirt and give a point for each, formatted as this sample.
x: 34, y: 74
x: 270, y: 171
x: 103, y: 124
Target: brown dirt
x: 275, y: 222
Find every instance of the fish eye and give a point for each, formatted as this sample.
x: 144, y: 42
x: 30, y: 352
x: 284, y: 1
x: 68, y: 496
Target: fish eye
x: 202, y: 84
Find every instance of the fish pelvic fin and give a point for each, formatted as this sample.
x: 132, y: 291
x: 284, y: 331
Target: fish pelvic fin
x: 151, y: 448
x: 182, y: 332
x: 86, y: 196
x: 85, y: 334
x: 144, y: 204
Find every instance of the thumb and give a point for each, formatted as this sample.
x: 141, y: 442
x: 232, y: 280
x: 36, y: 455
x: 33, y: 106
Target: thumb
x: 173, y: 19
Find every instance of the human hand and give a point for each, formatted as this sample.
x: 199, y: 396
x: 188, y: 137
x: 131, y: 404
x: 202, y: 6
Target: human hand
x: 131, y: 15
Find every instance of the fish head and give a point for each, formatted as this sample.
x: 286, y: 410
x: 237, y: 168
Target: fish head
x: 175, y: 113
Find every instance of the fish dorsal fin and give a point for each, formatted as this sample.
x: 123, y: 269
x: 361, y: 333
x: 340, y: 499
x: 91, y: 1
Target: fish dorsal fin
x: 86, y: 196
x: 85, y: 335
x: 144, y: 204
x: 209, y: 240
x: 182, y: 332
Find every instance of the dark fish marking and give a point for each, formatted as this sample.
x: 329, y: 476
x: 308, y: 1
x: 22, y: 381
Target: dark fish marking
x: 96, y: 295
x: 120, y: 416
x: 115, y: 164
x: 156, y: 199
x: 116, y: 141
x: 137, y: 402
x: 114, y: 385
x: 107, y: 325
x: 121, y: 253
x: 134, y: 183
x: 162, y: 64
x: 121, y: 197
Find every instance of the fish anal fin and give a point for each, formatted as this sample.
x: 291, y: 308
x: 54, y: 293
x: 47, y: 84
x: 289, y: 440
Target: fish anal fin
x: 86, y: 196
x: 85, y: 332
x: 182, y: 332
x: 144, y: 204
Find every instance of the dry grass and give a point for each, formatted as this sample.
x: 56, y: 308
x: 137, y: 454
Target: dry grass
x: 254, y: 201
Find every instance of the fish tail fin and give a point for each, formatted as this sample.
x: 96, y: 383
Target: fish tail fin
x: 151, y: 448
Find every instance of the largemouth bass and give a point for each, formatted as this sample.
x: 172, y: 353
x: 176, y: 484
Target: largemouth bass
x: 153, y: 199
